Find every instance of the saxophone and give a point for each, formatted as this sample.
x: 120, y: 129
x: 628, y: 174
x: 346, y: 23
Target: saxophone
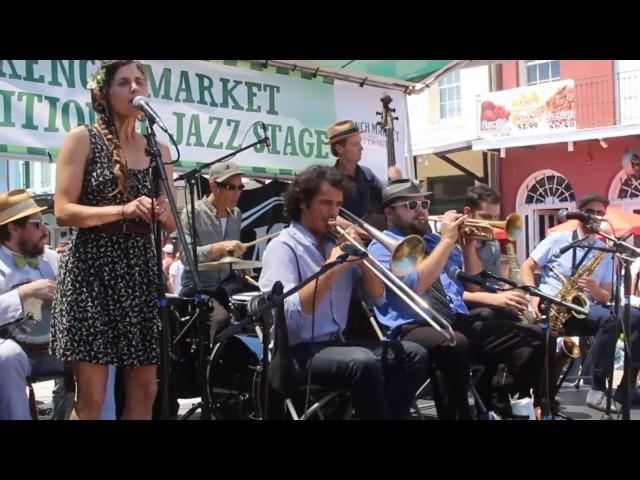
x: 569, y: 293
x: 558, y: 314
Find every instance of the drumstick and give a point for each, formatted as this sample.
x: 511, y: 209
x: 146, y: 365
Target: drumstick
x: 262, y: 239
x: 250, y: 280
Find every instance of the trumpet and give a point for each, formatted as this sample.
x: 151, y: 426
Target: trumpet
x: 405, y: 256
x: 475, y: 229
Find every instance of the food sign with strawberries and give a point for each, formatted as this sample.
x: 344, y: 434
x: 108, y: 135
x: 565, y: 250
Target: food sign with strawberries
x: 534, y: 110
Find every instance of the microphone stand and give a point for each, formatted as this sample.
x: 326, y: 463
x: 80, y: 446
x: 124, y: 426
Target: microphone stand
x: 570, y: 246
x: 158, y: 177
x: 621, y: 250
x: 532, y: 290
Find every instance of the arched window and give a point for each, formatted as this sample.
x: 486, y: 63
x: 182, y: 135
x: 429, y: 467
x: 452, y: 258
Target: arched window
x: 539, y: 198
x: 548, y: 188
x: 624, y: 187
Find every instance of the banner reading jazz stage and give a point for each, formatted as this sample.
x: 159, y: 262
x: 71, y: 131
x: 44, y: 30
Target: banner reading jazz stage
x: 211, y: 109
x: 537, y: 109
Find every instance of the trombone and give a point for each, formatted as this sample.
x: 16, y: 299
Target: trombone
x: 475, y: 229
x: 405, y: 256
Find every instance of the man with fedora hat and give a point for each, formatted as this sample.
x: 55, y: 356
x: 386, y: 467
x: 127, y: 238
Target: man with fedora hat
x: 346, y: 146
x: 477, y: 339
x: 27, y: 271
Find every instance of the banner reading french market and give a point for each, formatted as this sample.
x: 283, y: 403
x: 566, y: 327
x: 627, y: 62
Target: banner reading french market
x: 533, y: 110
x: 210, y: 107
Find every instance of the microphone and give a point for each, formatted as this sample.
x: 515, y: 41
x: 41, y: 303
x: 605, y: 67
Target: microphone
x: 569, y: 246
x: 563, y: 250
x: 351, y: 250
x: 456, y: 274
x: 565, y: 215
x: 257, y: 304
x: 142, y: 103
x: 268, y: 140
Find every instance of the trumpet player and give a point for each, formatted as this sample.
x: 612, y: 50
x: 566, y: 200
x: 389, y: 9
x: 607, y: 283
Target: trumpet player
x: 382, y: 381
x: 483, y: 203
x: 485, y: 340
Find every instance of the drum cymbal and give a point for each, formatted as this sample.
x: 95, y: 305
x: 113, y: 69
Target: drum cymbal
x: 230, y: 263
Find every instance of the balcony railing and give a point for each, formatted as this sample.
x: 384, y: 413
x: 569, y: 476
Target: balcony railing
x: 608, y: 100
x: 628, y: 97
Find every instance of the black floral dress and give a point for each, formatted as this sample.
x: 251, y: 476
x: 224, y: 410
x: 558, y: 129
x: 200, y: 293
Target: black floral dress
x: 104, y: 310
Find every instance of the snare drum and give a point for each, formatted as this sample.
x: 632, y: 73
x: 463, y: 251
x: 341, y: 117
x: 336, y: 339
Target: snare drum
x: 33, y: 330
x: 239, y: 303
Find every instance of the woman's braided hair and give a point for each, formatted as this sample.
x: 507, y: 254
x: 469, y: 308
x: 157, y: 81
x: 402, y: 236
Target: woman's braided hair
x: 101, y: 82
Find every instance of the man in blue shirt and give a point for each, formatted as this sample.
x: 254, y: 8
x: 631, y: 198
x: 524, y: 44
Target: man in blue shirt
x: 382, y: 381
x: 477, y: 338
x: 597, y: 287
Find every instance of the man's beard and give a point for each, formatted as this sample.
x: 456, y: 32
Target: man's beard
x: 410, y: 228
x: 31, y: 249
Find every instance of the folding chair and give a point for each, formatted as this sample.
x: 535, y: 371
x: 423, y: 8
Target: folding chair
x: 53, y: 370
x: 290, y: 381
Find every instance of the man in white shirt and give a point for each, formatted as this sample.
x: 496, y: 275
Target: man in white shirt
x: 27, y: 277
x: 27, y: 273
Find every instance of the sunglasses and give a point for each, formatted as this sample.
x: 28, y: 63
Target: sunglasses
x: 38, y: 222
x: 591, y: 211
x: 230, y: 186
x: 413, y: 204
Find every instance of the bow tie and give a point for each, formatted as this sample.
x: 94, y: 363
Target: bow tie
x: 21, y: 261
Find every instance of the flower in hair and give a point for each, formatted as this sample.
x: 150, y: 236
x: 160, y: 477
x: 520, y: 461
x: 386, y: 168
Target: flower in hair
x: 97, y: 80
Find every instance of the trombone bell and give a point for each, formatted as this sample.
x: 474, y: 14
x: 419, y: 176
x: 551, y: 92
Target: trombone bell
x: 406, y: 255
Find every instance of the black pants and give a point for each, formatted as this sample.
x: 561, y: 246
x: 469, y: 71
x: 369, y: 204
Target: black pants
x: 480, y: 338
x: 449, y: 369
x: 383, y: 377
x: 496, y: 313
x: 601, y: 325
x: 521, y: 348
x: 606, y: 329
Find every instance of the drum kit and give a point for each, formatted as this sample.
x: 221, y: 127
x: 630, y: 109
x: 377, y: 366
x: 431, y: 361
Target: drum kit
x: 233, y: 367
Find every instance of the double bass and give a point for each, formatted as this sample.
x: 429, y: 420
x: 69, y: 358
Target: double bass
x: 375, y: 216
x: 386, y: 122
